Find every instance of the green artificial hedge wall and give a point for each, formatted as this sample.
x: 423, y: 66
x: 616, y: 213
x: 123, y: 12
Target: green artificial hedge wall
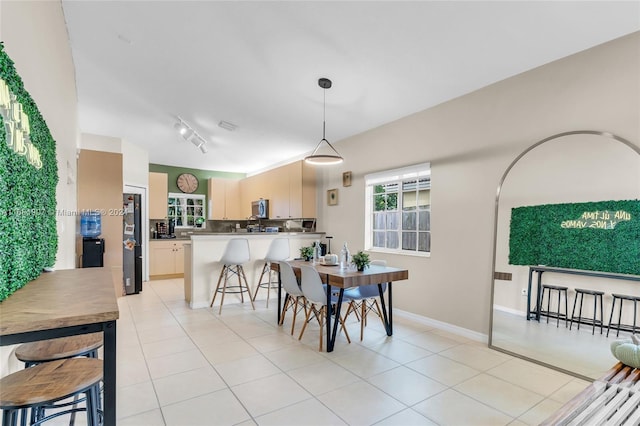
x: 596, y: 236
x: 28, y: 237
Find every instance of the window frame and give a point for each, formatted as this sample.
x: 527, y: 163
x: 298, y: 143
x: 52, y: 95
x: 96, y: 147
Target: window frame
x: 399, y: 176
x: 180, y: 197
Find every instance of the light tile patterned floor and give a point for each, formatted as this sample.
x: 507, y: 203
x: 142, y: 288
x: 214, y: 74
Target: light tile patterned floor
x: 178, y: 366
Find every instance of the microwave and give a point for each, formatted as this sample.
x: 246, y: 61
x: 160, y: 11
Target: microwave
x: 260, y: 209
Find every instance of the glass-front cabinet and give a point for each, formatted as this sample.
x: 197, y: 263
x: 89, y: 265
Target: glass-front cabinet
x: 186, y: 210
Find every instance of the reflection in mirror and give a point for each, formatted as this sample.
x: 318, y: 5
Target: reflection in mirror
x: 573, y: 167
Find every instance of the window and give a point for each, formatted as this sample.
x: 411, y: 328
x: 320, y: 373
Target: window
x: 398, y: 210
x: 186, y: 210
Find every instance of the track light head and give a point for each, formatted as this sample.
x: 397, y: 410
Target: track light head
x: 190, y: 135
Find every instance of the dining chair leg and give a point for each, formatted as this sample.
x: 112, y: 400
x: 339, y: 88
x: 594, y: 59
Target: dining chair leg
x: 306, y: 321
x: 284, y: 309
x: 363, y: 315
x: 378, y: 311
x: 295, y: 313
x: 346, y: 333
x: 215, y: 292
x: 323, y: 315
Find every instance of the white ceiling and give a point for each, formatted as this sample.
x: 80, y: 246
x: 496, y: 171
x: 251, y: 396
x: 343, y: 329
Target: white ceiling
x: 139, y: 65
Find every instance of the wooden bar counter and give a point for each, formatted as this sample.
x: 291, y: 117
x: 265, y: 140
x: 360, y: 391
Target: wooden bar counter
x: 66, y: 303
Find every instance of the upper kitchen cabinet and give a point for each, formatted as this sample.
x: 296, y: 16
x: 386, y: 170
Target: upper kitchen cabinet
x: 158, y: 193
x: 224, y: 196
x: 290, y: 189
x: 302, y: 190
x: 278, y: 192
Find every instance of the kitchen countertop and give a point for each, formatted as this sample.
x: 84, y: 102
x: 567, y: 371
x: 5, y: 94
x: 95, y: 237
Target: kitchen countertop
x: 239, y: 234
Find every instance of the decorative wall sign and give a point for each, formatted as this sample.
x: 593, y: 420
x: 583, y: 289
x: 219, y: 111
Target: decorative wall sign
x: 598, y: 219
x: 17, y: 129
x: 595, y: 236
x: 332, y: 197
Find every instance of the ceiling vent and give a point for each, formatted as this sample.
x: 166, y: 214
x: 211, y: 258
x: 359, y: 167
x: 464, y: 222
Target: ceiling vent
x: 227, y: 126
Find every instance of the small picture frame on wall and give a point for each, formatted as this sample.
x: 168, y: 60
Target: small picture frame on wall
x: 332, y: 197
x: 346, y: 179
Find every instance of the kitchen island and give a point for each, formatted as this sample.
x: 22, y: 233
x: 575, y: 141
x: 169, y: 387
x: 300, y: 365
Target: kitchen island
x: 202, y: 261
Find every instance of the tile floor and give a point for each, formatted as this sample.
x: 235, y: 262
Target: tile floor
x: 178, y: 366
x: 557, y: 345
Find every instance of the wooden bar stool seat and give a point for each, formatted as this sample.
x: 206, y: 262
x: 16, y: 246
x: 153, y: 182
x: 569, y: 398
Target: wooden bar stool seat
x: 86, y: 345
x: 34, y: 353
x: 50, y: 382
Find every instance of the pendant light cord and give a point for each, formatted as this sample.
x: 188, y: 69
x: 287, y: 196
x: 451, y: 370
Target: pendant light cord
x: 324, y: 112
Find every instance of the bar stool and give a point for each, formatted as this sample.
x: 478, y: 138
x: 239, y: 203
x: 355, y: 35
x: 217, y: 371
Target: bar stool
x: 47, y: 383
x: 235, y: 254
x: 278, y: 252
x: 621, y: 298
x: 34, y: 353
x: 548, y: 288
x: 597, y: 296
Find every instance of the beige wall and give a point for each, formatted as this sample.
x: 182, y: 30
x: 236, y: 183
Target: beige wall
x: 470, y: 141
x: 100, y: 188
x: 600, y: 169
x: 35, y: 37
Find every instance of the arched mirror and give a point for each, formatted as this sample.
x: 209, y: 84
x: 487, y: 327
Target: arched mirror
x: 572, y: 167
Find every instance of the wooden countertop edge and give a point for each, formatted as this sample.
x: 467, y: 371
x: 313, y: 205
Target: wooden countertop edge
x: 60, y: 299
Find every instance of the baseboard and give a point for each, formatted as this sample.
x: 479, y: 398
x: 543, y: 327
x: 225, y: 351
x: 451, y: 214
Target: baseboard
x: 165, y: 276
x: 199, y: 305
x: 510, y: 311
x: 460, y: 331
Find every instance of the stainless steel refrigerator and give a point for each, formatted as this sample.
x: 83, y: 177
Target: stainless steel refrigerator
x: 132, y: 241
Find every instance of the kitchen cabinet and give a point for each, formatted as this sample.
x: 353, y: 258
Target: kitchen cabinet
x: 278, y: 193
x: 290, y: 189
x: 302, y: 190
x: 166, y: 258
x: 224, y: 198
x: 253, y: 188
x: 158, y: 192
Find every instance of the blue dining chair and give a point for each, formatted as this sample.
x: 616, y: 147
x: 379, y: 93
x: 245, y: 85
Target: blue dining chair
x: 363, y: 299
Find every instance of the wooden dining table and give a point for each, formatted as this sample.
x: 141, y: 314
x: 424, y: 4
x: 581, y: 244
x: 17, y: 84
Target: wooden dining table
x: 67, y: 303
x: 342, y: 279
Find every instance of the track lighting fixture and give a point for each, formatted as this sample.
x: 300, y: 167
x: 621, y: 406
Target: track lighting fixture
x: 318, y: 158
x: 191, y: 135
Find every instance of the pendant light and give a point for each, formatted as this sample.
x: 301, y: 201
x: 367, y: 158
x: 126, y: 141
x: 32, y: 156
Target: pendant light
x: 319, y: 158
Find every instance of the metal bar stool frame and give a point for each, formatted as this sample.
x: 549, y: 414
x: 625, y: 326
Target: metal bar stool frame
x: 560, y: 290
x: 31, y: 354
x: 596, y: 295
x: 11, y: 410
x: 623, y: 297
